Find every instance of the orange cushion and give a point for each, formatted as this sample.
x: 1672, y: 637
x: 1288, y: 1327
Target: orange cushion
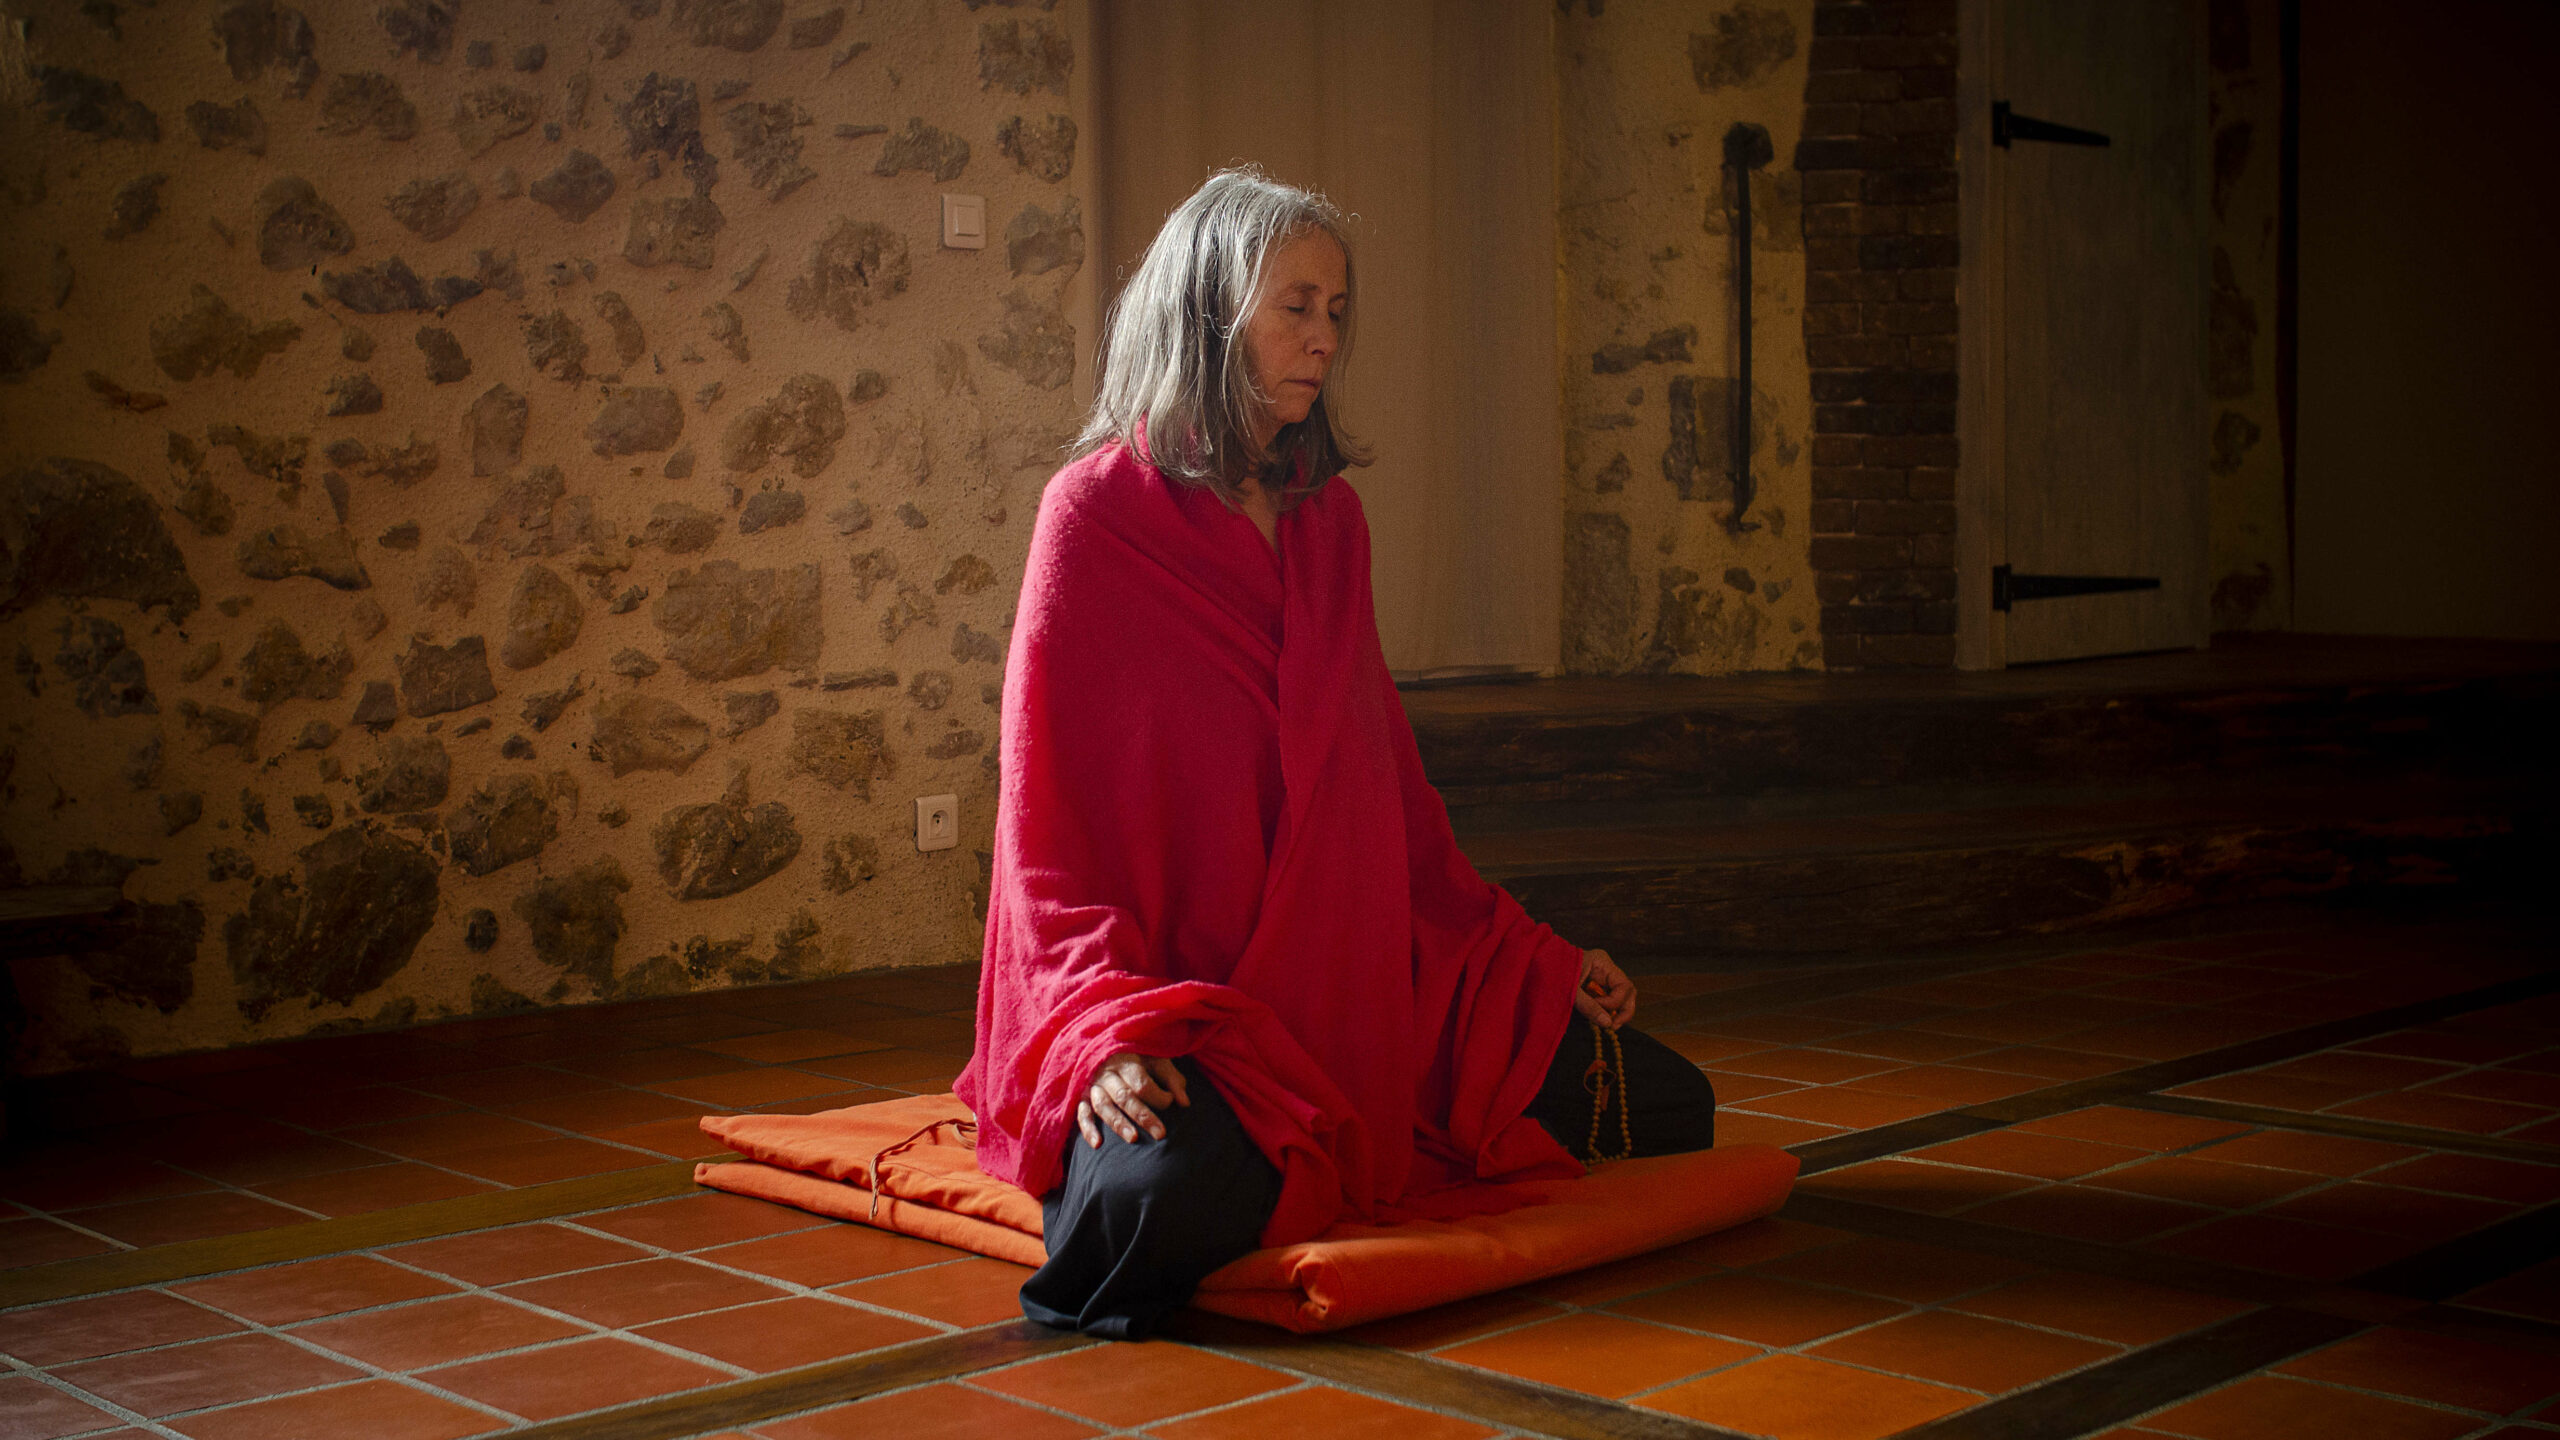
x: 1351, y: 1274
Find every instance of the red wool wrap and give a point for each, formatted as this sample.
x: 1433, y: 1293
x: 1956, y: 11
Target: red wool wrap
x: 1214, y: 839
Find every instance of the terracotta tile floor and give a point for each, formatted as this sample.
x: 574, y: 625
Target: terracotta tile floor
x: 2007, y: 1240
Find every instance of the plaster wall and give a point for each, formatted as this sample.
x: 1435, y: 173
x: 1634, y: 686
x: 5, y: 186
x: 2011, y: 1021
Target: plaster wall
x: 2244, y: 469
x: 506, y: 503
x: 1659, y: 577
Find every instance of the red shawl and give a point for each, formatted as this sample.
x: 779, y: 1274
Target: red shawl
x: 1214, y: 839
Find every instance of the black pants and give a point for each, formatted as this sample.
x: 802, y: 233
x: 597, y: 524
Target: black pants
x: 1138, y: 1225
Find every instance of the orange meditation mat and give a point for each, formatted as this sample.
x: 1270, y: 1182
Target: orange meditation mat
x: 908, y: 1165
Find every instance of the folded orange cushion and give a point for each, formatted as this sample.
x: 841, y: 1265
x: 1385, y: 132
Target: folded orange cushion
x: 830, y: 1163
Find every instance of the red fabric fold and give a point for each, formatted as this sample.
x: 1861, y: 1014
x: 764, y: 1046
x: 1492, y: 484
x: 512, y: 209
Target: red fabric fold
x: 1214, y: 839
x: 905, y: 1165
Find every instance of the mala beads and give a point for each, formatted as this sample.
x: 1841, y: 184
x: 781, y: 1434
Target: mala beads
x: 1605, y: 1079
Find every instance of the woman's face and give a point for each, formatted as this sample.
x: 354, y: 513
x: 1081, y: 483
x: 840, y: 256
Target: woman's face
x: 1294, y: 328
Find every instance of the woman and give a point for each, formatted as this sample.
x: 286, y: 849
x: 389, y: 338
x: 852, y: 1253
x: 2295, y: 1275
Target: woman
x: 1239, y: 983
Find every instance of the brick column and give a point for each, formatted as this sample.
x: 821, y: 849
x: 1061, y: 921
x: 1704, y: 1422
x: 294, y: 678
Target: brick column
x: 1879, y: 157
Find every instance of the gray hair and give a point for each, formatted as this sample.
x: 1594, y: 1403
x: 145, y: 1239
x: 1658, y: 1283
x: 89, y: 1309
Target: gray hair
x: 1173, y: 385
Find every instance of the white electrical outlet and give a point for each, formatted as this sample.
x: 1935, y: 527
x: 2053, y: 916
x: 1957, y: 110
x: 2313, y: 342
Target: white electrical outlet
x: 937, y: 822
x: 964, y: 222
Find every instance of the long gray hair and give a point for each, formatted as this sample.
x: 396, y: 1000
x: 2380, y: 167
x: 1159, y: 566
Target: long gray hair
x: 1174, y: 386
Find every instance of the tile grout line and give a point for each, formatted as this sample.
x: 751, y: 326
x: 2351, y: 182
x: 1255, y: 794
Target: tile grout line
x: 1484, y: 1396
x: 46, y: 1282
x: 1833, y: 1152
x: 2085, y: 1401
x: 432, y: 1219
x: 2353, y: 1127
x: 124, y: 1415
x: 823, y: 1384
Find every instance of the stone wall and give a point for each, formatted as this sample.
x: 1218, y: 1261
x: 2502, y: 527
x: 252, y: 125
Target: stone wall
x: 2252, y: 578
x: 505, y: 504
x: 1662, y: 575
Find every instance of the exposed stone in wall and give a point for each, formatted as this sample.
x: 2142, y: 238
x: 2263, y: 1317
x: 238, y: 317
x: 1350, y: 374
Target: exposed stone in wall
x: 708, y: 851
x: 366, y: 100
x: 485, y: 116
x: 764, y: 138
x: 136, y: 205
x: 846, y: 750
x: 740, y: 25
x: 849, y: 861
x: 423, y: 28
x: 922, y: 147
x: 507, y: 819
x: 636, y: 418
x: 2231, y: 333
x: 283, y: 551
x: 967, y: 574
x: 746, y: 710
x: 365, y: 900
x: 391, y: 287
x: 1036, y: 342
x: 1045, y: 147
x: 107, y: 677
x: 276, y: 667
x: 1039, y: 241
x: 236, y: 126
x: 813, y: 29
x: 543, y: 615
x: 643, y: 732
x: 556, y: 346
x: 350, y: 559
x: 968, y: 645
x: 854, y: 266
x: 435, y: 679
x: 405, y: 774
x: 801, y: 423
x: 446, y: 362
x: 353, y: 395
x: 722, y: 622
x: 771, y: 509
x: 575, y: 922
x: 677, y: 230
x: 209, y: 335
x: 1599, y: 595
x: 496, y: 423
x: 435, y: 206
x: 1023, y: 56
x: 403, y: 465
x: 92, y: 105
x: 296, y: 228
x: 261, y: 38
x: 24, y: 345
x: 629, y: 341
x: 576, y: 188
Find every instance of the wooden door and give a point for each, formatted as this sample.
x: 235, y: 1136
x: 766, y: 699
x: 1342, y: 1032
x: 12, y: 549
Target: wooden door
x: 2103, y: 259
x: 1432, y: 122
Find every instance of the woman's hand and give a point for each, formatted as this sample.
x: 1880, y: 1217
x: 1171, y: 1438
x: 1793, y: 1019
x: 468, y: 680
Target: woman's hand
x: 1124, y: 1094
x: 1606, y: 996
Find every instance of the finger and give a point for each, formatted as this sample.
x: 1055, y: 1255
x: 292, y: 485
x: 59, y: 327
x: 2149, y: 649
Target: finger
x: 1084, y: 1123
x: 1128, y: 1116
x: 1590, y: 1008
x: 1175, y: 1081
x: 1135, y: 1091
x: 1106, y: 1108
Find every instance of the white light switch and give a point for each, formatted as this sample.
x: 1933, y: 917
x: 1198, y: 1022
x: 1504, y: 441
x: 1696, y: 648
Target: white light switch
x: 937, y: 822
x: 964, y: 222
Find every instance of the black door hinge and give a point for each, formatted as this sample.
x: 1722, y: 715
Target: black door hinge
x: 2007, y: 125
x: 2008, y: 588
